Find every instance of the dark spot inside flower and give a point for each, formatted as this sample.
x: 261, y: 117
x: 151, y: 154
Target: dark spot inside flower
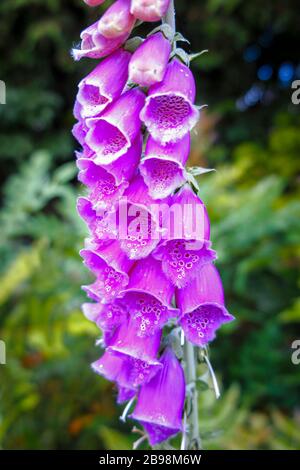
x: 108, y: 284
x: 105, y: 188
x: 147, y: 311
x: 161, y: 176
x: 92, y: 96
x: 200, y: 324
x: 107, y: 139
x: 180, y: 263
x: 158, y: 432
x: 169, y: 111
x: 141, y: 232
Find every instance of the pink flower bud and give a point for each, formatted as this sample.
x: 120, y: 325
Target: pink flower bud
x: 117, y: 20
x: 149, y: 10
x: 93, y: 3
x: 94, y: 45
x: 149, y: 62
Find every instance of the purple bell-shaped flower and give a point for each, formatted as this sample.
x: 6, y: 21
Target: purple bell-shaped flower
x: 160, y: 402
x: 202, y: 306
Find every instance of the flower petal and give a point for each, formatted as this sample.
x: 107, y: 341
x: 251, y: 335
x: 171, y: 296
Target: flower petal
x: 202, y: 306
x: 160, y: 402
x: 95, y: 46
x: 149, y: 10
x: 169, y: 112
x: 149, y: 62
x: 104, y: 84
x: 111, y: 135
x: 117, y: 20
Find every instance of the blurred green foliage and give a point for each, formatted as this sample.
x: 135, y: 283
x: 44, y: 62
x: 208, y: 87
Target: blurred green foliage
x: 49, y: 398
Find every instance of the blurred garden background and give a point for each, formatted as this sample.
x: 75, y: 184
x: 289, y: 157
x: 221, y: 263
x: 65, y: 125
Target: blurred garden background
x: 49, y: 397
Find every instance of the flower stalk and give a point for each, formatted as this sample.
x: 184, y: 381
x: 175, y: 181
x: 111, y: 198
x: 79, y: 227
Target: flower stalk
x: 170, y: 17
x: 193, y: 431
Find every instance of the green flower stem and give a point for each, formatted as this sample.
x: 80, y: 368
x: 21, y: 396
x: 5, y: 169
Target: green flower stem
x: 170, y: 16
x: 193, y: 434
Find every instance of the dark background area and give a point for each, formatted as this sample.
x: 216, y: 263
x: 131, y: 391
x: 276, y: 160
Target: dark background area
x: 250, y: 133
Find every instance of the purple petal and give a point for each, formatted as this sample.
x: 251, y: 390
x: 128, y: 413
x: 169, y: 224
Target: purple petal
x: 109, y: 366
x: 110, y: 266
x: 79, y: 131
x: 201, y: 324
x: 113, y: 176
x: 138, y: 371
x: 106, y: 316
x: 202, y: 306
x: 162, y: 176
x: 178, y: 78
x: 147, y: 277
x: 104, y: 84
x: 117, y: 20
x: 127, y: 341
x: 95, y: 46
x: 111, y: 135
x: 125, y: 394
x: 148, y: 312
x: 77, y: 110
x: 86, y: 152
x: 93, y: 3
x: 116, y: 369
x: 163, y: 166
x: 169, y: 112
x: 104, y: 190
x: 110, y: 254
x: 141, y: 353
x: 125, y: 167
x: 138, y: 221
x: 149, y: 10
x: 160, y: 404
x: 148, y: 296
x: 99, y: 224
x: 190, y: 221
x: 87, y: 213
x: 176, y: 151
x: 182, y: 260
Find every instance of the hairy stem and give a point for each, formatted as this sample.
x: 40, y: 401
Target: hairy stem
x: 194, y: 440
x: 170, y: 16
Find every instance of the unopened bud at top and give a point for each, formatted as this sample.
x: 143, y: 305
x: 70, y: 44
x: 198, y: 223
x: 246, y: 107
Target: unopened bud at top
x: 93, y: 3
x: 117, y: 20
x: 149, y: 10
x: 149, y: 62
